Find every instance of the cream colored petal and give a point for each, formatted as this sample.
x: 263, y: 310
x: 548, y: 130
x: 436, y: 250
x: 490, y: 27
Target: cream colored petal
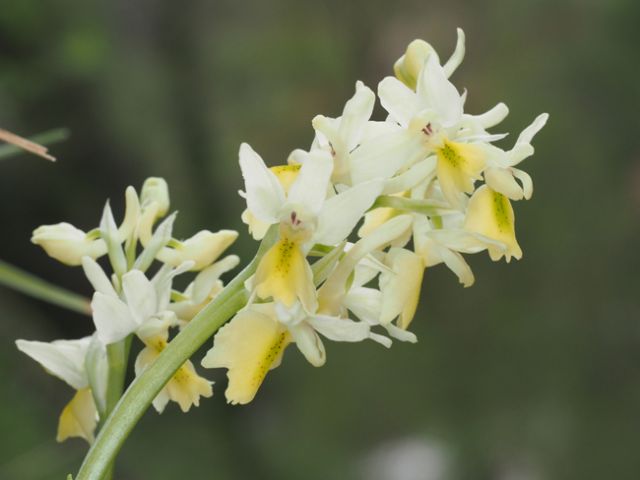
x: 458, y: 55
x: 399, y: 100
x: 112, y: 318
x: 131, y: 214
x: 501, y: 180
x: 62, y: 358
x: 257, y: 228
x: 79, y: 417
x: 96, y: 276
x: 490, y: 214
x: 248, y: 346
x: 401, y: 290
x: 264, y: 193
x: 439, y: 93
x: 309, y: 189
x: 384, y: 156
x: 202, y: 249
x: 186, y: 387
x: 285, y: 275
x: 528, y: 133
x: 339, y: 329
x: 458, y: 265
x: 342, y: 212
x: 459, y: 164
x: 140, y: 295
x: 207, y: 279
x: 525, y: 179
x: 309, y: 343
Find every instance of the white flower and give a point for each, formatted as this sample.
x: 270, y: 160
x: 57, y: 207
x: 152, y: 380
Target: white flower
x: 306, y: 217
x: 67, y: 360
x: 143, y: 308
x: 342, y: 135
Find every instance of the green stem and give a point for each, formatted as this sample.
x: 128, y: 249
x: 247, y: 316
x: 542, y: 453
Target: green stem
x: 425, y: 207
x: 118, y: 358
x: 145, y: 387
x: 29, y: 284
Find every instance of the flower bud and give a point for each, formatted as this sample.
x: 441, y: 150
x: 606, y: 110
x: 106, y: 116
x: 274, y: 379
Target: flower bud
x: 155, y: 190
x: 203, y: 249
x: 67, y: 244
x: 407, y: 68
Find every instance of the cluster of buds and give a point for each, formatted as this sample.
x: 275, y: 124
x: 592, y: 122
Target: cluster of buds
x: 422, y: 187
x: 130, y: 303
x: 427, y: 181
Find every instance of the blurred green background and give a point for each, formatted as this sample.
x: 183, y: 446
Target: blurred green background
x: 532, y: 374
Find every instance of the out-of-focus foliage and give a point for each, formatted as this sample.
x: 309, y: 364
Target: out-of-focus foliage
x: 535, y: 371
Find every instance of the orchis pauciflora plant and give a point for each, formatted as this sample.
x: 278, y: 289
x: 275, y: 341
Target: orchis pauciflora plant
x: 347, y: 229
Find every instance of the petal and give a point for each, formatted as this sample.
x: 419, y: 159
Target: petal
x: 62, y: 358
x: 208, y: 277
x: 458, y: 165
x: 400, y: 101
x: 96, y: 276
x: 501, y: 180
x: 418, y: 173
x: 490, y: 213
x: 339, y: 329
x: 248, y: 346
x: 186, y: 387
x: 365, y: 303
x: 525, y: 179
x: 79, y: 417
x: 342, y: 212
x: 310, y: 186
x: 439, y: 93
x: 528, y: 133
x: 458, y: 265
x: 492, y: 117
x: 384, y: 156
x: 140, y: 296
x: 400, y: 334
x: 265, y: 195
x: 285, y: 275
x: 309, y: 343
x: 401, y: 289
x: 355, y: 115
x: 112, y: 318
x: 458, y: 55
x: 203, y: 249
x: 131, y: 214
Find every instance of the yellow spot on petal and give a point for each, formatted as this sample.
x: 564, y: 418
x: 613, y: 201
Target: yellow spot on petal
x: 458, y: 165
x: 185, y: 386
x: 286, y: 174
x: 249, y: 346
x: 79, y: 417
x: 284, y: 273
x: 490, y: 213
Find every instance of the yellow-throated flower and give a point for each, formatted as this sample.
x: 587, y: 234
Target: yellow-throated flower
x: 67, y: 360
x: 308, y: 213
